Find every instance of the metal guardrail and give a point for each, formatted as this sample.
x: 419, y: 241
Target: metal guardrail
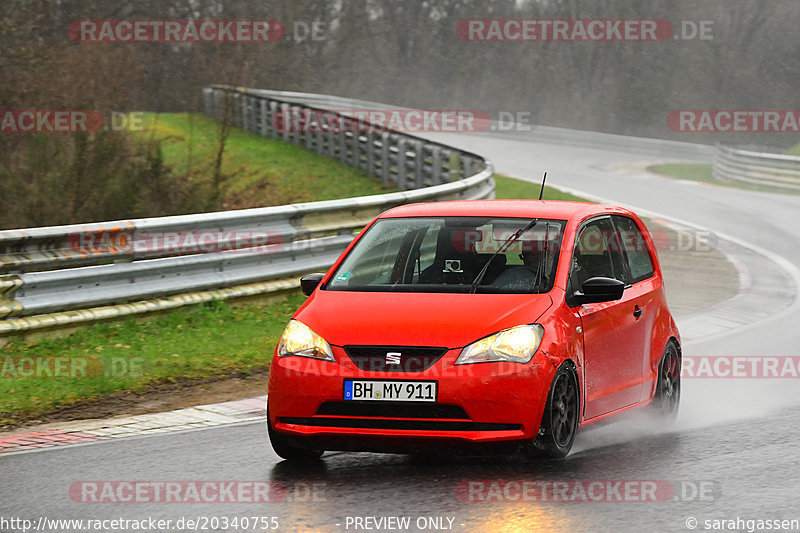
x: 757, y: 166
x: 650, y: 147
x: 400, y: 159
x: 60, y: 275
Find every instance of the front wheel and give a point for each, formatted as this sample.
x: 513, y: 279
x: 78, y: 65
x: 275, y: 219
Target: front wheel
x: 668, y: 388
x: 560, y: 419
x: 286, y: 450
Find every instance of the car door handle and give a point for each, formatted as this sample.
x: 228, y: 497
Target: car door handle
x: 637, y: 311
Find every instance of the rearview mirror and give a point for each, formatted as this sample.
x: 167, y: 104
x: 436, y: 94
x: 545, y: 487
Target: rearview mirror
x: 309, y: 283
x: 598, y: 289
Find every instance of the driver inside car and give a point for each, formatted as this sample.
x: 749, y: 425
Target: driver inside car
x: 523, y: 277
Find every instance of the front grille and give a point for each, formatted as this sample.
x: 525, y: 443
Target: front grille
x: 410, y: 358
x: 392, y: 410
x: 421, y: 425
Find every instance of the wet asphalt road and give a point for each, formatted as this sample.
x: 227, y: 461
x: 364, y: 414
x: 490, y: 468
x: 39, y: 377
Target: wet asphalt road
x: 731, y: 455
x: 740, y: 468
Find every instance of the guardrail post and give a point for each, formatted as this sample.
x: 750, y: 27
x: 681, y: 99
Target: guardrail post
x: 356, y: 147
x: 291, y: 125
x: 332, y: 136
x: 254, y: 126
x: 308, y: 134
x: 236, y: 116
x: 262, y: 117
x: 419, y: 165
x: 217, y: 96
x: 436, y: 165
x: 269, y: 118
x: 385, y: 163
x: 402, y: 162
x: 284, y: 109
x: 341, y: 141
x: 208, y: 99
x: 466, y: 165
x: 370, y: 153
x: 319, y: 140
x: 245, y: 112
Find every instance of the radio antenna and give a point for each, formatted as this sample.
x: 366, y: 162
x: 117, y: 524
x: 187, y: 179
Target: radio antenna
x: 541, y: 192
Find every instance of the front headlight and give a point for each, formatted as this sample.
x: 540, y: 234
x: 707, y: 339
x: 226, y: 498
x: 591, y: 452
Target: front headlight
x: 516, y: 345
x: 299, y: 339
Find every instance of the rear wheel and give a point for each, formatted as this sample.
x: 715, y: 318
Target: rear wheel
x: 560, y: 419
x: 668, y: 389
x: 286, y: 450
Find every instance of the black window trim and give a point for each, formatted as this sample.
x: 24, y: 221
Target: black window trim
x: 625, y: 252
x: 625, y: 266
x: 359, y: 234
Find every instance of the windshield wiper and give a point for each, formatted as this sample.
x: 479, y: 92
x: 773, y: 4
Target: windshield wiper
x: 508, y: 242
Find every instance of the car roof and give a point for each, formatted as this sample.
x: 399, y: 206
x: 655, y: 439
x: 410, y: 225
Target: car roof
x: 551, y: 209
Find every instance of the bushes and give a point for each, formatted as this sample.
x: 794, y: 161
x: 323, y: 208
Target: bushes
x: 51, y: 179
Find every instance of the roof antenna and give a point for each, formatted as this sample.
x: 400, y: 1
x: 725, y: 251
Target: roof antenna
x: 541, y: 192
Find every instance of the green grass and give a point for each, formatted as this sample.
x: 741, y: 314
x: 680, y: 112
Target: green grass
x: 702, y: 172
x: 514, y: 189
x: 210, y: 340
x: 685, y: 171
x: 794, y: 150
x: 259, y: 171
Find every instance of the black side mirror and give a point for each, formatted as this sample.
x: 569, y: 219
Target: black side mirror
x: 599, y: 289
x: 309, y: 283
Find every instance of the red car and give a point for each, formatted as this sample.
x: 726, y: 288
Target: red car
x: 478, y: 324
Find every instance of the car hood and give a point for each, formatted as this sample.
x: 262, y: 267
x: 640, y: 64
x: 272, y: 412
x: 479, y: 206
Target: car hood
x: 417, y: 319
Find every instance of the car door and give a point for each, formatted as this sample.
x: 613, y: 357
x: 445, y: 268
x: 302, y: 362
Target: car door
x: 642, y: 289
x: 612, y: 347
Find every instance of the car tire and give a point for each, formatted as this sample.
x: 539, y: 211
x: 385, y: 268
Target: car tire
x: 560, y: 418
x: 286, y: 450
x: 667, y: 398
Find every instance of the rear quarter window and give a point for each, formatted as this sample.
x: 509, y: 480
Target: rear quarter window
x: 636, y: 249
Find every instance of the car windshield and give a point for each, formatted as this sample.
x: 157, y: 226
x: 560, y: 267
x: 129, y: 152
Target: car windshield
x: 445, y: 254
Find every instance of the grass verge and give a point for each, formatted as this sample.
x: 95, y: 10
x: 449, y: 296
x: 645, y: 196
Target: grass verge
x: 257, y: 171
x: 212, y: 340
x: 515, y: 189
x: 685, y: 171
x: 702, y: 172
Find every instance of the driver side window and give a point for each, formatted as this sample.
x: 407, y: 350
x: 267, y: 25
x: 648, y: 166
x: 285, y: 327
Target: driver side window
x: 426, y: 253
x: 597, y: 253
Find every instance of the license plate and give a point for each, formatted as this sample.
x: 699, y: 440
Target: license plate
x: 391, y: 390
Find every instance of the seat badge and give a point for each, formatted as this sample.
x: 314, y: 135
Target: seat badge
x: 393, y: 358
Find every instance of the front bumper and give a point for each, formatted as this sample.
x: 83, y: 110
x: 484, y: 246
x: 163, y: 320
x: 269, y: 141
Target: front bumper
x: 478, y: 404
